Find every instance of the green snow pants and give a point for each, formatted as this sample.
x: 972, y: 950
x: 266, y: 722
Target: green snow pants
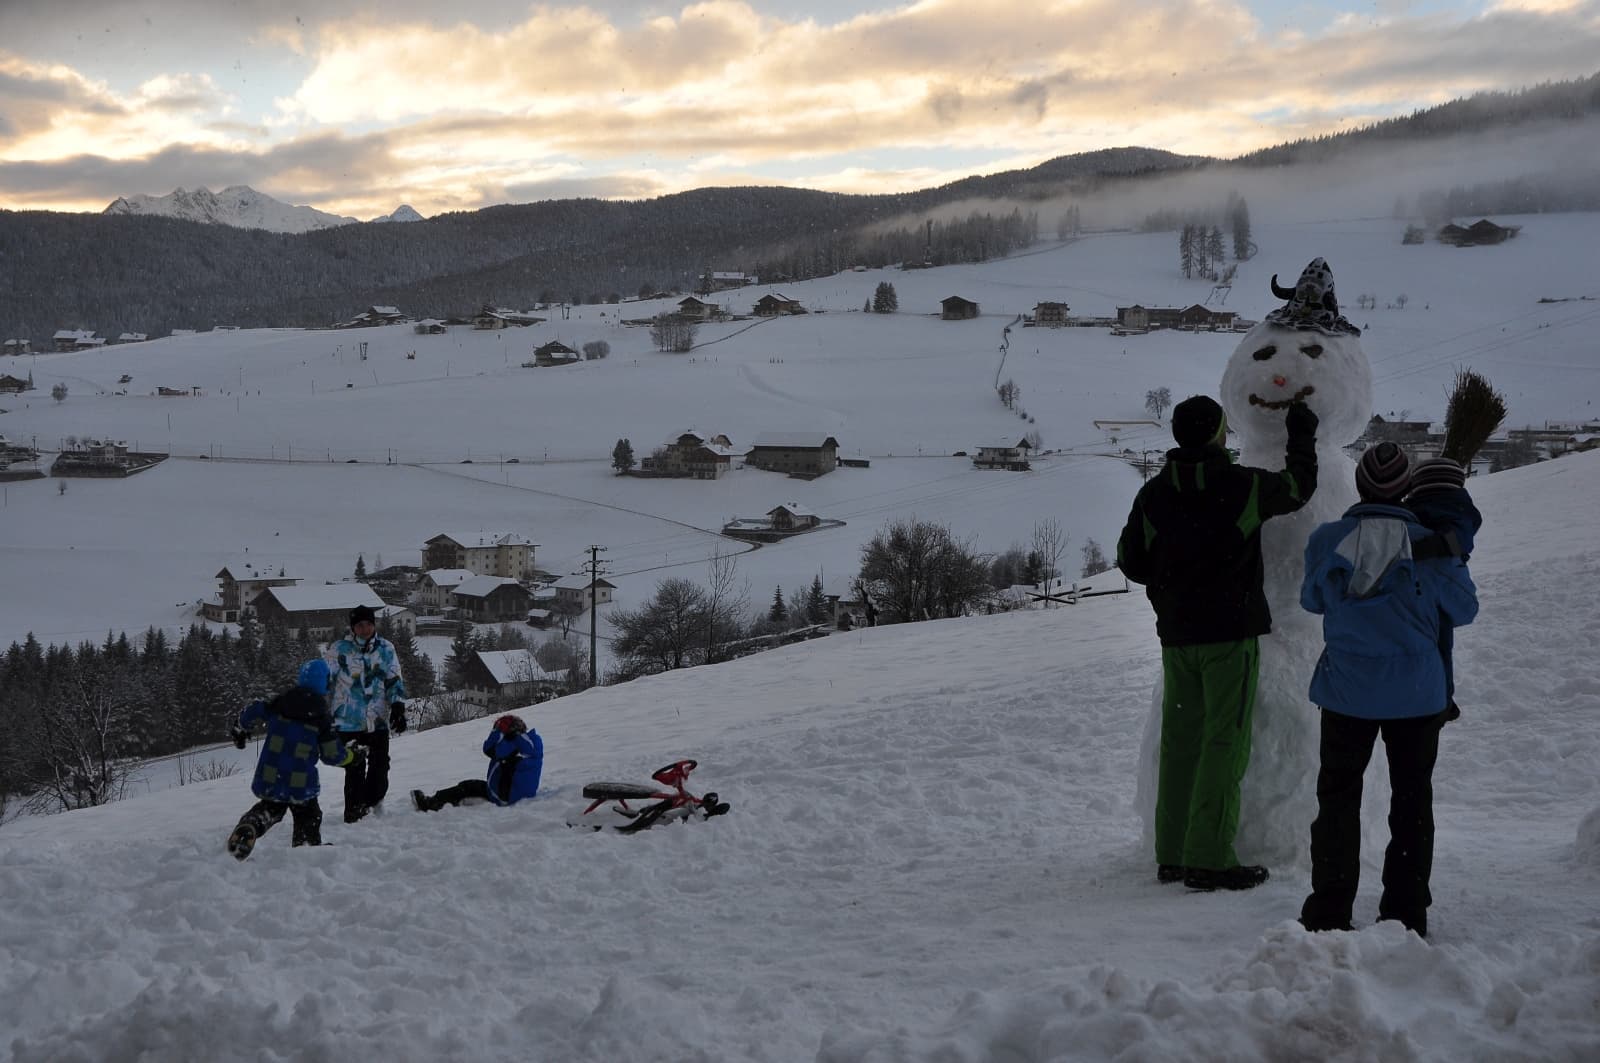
x: 1208, y: 695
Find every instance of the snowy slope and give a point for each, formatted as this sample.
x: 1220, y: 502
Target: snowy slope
x: 933, y: 855
x: 906, y: 391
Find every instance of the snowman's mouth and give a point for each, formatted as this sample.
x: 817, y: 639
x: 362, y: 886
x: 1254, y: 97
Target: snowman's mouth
x: 1282, y: 404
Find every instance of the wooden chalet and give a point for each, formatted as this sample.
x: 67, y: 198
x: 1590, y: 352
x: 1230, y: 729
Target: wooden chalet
x: 792, y: 516
x: 320, y: 612
x: 955, y: 308
x: 491, y: 600
x: 1480, y: 233
x: 11, y: 385
x: 16, y: 347
x: 692, y: 309
x: 776, y: 304
x: 1200, y: 317
x: 508, y: 678
x: 1003, y: 454
x: 71, y: 339
x: 437, y: 585
x: 555, y: 353
x: 430, y: 326
x: 800, y: 454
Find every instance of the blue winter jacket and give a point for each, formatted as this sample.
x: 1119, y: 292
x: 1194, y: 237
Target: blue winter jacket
x: 365, y: 680
x: 1381, y: 613
x: 299, y: 731
x: 515, y: 764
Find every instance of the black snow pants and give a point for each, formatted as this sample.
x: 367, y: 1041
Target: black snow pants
x: 366, y: 780
x: 264, y: 814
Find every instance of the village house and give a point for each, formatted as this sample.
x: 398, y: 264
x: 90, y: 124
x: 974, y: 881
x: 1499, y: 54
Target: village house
x: 131, y: 337
x: 1003, y: 454
x: 796, y: 453
x: 955, y: 308
x: 238, y: 583
x: 430, y: 326
x: 394, y: 618
x: 722, y: 280
x: 775, y: 304
x: 17, y: 347
x: 103, y: 458
x: 1479, y: 233
x: 374, y: 316
x: 507, y: 679
x: 1138, y: 318
x: 575, y: 594
x: 11, y: 385
x: 792, y: 516
x: 320, y: 612
x: 491, y: 600
x: 1200, y: 317
x: 555, y: 353
x: 490, y: 319
x: 485, y: 553
x: 437, y: 585
x: 692, y: 309
x: 71, y: 339
x: 1050, y: 315
x: 694, y: 456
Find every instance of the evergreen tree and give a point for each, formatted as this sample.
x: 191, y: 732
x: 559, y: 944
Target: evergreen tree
x: 361, y: 566
x: 779, y: 612
x: 622, y: 456
x: 1186, y: 250
x: 462, y: 647
x: 884, y: 299
x: 414, y: 664
x: 816, y: 601
x: 1239, y: 218
x: 1214, y: 249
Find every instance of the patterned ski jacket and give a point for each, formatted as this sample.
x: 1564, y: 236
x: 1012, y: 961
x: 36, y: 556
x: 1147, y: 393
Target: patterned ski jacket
x: 365, y: 679
x: 1194, y: 539
x: 299, y: 731
x: 515, y: 764
x: 1381, y: 613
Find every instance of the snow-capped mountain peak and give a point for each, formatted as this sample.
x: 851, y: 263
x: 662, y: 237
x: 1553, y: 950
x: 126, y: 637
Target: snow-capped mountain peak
x: 237, y: 205
x: 404, y: 212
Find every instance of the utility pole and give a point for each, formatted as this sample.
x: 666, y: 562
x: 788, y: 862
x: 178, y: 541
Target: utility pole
x: 594, y: 611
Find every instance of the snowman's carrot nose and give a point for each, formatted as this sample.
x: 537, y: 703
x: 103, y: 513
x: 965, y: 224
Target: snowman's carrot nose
x: 1280, y: 381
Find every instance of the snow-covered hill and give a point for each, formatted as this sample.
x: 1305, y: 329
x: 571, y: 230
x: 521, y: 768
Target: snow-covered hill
x: 933, y: 854
x: 241, y: 207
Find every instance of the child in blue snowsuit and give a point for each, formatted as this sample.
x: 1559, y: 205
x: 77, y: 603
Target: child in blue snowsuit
x: 1440, y: 501
x: 299, y: 732
x: 516, y: 761
x: 1384, y: 610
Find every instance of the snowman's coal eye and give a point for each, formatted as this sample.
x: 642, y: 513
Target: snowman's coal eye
x: 1312, y: 350
x: 1267, y: 352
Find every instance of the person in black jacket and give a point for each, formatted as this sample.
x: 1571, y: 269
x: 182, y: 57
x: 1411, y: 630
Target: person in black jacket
x: 1194, y: 540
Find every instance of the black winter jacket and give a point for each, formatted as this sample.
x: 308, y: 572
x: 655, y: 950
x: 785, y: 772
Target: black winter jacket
x: 1194, y: 539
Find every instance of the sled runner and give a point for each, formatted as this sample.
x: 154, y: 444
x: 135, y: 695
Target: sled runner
x: 670, y: 801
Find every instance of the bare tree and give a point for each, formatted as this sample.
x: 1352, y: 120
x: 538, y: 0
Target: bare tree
x: 1158, y: 401
x: 1094, y: 559
x: 726, y: 603
x: 1049, y: 542
x: 917, y: 570
x: 71, y: 749
x: 671, y: 333
x: 443, y: 709
x: 662, y: 634
x: 596, y: 349
x: 59, y: 392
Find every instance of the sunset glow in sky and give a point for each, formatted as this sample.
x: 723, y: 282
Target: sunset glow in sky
x: 354, y: 107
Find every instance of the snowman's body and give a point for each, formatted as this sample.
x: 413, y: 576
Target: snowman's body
x: 1272, y: 366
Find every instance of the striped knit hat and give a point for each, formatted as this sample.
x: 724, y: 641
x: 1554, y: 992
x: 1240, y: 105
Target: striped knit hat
x: 1437, y: 474
x: 1383, y: 474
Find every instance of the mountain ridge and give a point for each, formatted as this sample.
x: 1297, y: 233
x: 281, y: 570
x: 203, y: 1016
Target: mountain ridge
x: 241, y: 207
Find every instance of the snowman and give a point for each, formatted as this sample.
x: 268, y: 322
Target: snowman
x: 1304, y: 351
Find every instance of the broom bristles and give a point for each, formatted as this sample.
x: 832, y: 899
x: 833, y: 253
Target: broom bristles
x: 1474, y: 411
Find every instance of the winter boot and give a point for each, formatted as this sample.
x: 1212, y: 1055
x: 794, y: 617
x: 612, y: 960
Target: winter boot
x: 1170, y: 872
x: 242, y: 840
x: 423, y: 802
x: 1241, y: 877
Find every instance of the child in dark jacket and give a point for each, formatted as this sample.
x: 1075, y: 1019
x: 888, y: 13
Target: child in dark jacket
x: 1440, y: 502
x: 516, y: 761
x: 299, y: 731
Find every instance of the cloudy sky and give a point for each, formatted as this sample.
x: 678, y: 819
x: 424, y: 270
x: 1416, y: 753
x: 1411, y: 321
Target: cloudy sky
x: 355, y: 106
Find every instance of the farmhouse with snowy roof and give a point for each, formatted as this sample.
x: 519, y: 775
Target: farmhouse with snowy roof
x: 318, y: 612
x: 437, y: 585
x: 801, y: 454
x: 1009, y: 453
x: 792, y: 516
x: 692, y: 455
x: 15, y: 385
x: 491, y: 600
x: 508, y: 678
x: 774, y: 304
x: 485, y: 553
x: 17, y: 347
x: 574, y: 594
x: 238, y: 583
x: 72, y: 339
x: 555, y: 353
x: 955, y: 308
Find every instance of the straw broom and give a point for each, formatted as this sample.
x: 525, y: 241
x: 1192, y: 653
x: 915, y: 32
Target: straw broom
x: 1474, y: 411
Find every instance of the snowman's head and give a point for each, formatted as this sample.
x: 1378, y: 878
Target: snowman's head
x: 1305, y: 351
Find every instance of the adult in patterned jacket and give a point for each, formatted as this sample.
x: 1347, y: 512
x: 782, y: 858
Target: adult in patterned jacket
x: 1194, y: 540
x: 1381, y: 673
x: 516, y: 761
x: 299, y: 732
x: 368, y: 702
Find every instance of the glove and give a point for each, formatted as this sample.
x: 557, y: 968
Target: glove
x: 354, y: 757
x: 239, y: 736
x: 397, y: 717
x: 1301, y: 419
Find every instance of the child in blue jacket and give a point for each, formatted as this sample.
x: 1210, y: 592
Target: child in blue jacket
x: 516, y: 761
x: 1381, y: 673
x: 299, y: 732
